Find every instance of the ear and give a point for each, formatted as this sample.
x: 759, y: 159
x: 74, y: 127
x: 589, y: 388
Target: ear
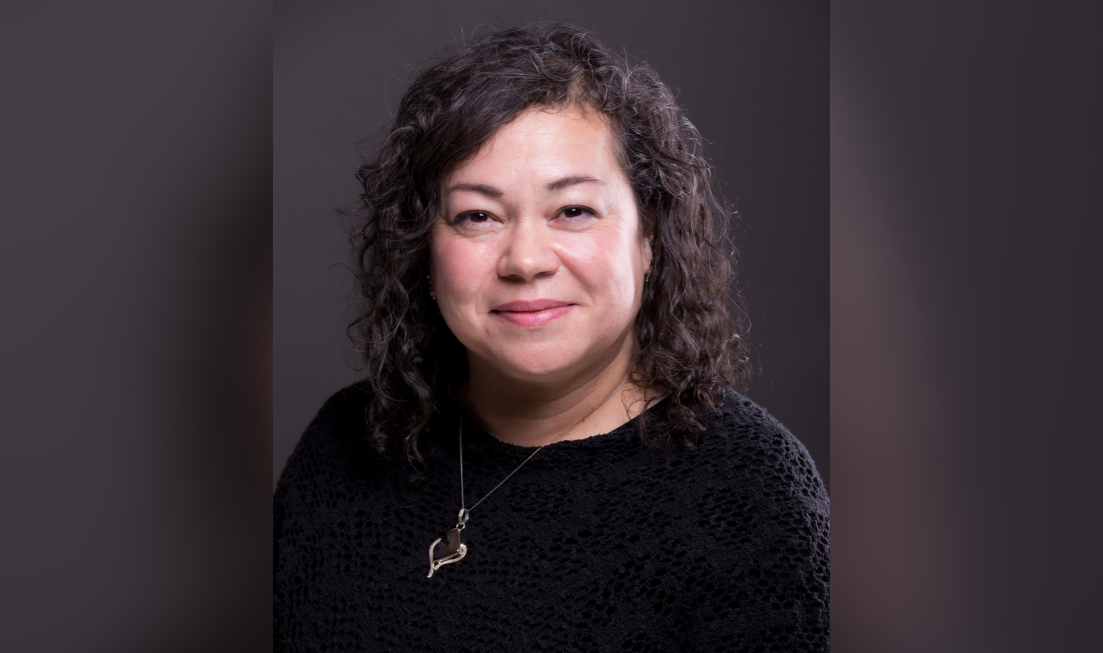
x: 646, y: 237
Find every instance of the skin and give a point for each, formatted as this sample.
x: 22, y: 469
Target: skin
x: 543, y: 211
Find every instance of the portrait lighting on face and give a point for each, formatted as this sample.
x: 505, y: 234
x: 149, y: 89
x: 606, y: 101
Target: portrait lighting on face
x: 538, y: 258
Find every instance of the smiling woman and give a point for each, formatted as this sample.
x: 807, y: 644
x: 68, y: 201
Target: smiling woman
x: 538, y: 261
x: 546, y: 329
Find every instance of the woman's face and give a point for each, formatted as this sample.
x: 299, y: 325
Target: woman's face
x: 538, y: 258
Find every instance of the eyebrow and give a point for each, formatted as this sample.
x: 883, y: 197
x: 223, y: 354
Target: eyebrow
x: 489, y: 191
x: 557, y: 185
x: 560, y: 184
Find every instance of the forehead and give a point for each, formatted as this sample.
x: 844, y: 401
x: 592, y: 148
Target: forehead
x: 545, y: 143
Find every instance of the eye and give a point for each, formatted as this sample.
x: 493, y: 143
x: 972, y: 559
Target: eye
x: 476, y: 217
x: 577, y: 212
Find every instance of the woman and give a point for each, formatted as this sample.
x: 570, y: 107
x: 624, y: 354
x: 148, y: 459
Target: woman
x: 548, y: 451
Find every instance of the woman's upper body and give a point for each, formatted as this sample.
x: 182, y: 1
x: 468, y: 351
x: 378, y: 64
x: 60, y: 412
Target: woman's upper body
x: 540, y: 250
x: 600, y: 543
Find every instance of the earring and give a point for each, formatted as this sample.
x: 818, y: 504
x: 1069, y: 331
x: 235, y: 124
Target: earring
x: 432, y: 295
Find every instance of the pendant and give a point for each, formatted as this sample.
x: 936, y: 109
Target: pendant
x: 443, y: 553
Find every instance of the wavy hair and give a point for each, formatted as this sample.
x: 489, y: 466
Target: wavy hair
x: 690, y: 327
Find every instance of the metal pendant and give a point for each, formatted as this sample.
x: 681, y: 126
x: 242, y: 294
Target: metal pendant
x: 443, y: 553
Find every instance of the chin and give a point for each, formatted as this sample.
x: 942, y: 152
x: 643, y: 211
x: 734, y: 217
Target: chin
x: 529, y: 365
x: 535, y: 370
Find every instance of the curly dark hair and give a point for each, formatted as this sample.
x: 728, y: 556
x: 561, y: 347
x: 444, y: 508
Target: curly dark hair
x: 690, y: 327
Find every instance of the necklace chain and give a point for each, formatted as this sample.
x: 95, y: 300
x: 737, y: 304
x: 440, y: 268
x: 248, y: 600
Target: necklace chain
x: 445, y: 553
x: 464, y: 511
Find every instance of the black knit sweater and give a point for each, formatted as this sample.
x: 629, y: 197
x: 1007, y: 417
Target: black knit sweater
x: 599, y: 544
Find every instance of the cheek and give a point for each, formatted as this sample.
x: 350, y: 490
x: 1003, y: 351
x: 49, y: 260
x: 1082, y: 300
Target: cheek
x: 612, y: 267
x: 457, y: 271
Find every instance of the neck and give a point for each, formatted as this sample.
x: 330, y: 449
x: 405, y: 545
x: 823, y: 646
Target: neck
x: 530, y: 413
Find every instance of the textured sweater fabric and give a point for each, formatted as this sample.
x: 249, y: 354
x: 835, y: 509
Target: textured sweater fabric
x: 599, y: 544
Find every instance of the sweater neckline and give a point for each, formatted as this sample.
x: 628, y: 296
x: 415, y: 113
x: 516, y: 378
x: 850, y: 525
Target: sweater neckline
x: 475, y: 438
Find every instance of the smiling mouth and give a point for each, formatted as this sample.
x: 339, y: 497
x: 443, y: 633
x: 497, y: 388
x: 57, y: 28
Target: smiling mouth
x: 532, y: 314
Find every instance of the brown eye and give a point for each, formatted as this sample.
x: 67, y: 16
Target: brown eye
x: 576, y: 212
x: 477, y: 217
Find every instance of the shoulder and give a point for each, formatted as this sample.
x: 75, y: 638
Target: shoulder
x: 344, y: 409
x: 764, y: 518
x: 332, y: 440
x: 310, y: 504
x: 744, y: 445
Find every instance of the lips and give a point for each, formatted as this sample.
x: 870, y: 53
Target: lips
x: 533, y: 313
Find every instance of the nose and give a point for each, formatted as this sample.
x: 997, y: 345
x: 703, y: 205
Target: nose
x: 528, y: 252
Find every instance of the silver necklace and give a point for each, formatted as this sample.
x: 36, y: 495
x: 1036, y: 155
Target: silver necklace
x: 443, y: 552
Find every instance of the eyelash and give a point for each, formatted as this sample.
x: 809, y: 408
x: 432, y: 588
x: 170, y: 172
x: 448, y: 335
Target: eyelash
x: 584, y: 209
x: 467, y: 215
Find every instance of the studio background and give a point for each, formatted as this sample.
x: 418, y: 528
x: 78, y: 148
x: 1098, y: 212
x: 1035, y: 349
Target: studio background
x: 134, y: 484
x: 753, y: 78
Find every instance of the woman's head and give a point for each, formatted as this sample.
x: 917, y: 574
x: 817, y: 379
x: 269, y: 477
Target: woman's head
x: 494, y: 119
x: 538, y: 256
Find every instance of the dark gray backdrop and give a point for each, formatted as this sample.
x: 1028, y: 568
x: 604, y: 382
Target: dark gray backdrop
x: 752, y: 76
x: 134, y: 489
